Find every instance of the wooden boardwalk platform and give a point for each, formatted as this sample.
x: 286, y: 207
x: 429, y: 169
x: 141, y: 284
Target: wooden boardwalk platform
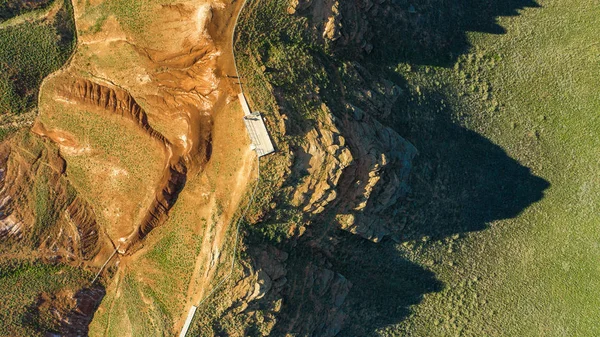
x: 258, y: 134
x: 257, y: 130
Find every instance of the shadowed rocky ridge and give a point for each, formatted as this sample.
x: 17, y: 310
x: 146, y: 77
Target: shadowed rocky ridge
x: 375, y: 161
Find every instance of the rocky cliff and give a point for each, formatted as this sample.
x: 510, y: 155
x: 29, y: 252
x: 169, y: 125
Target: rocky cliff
x: 347, y: 172
x: 350, y: 158
x: 343, y: 22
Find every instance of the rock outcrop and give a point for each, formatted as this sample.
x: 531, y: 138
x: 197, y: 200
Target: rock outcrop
x: 322, y: 158
x: 333, y: 26
x: 319, y: 291
x: 376, y: 180
x: 326, y: 292
x: 343, y: 22
x: 364, y: 172
x: 75, y: 322
x: 80, y: 214
x: 113, y: 100
x: 349, y: 171
x: 270, y: 274
x: 165, y: 197
x: 298, y: 6
x: 349, y: 158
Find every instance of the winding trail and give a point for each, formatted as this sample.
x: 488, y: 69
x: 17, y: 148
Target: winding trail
x: 252, y: 196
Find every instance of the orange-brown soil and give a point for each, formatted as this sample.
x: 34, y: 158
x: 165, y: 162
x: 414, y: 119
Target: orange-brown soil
x: 168, y: 89
x: 177, y: 77
x: 39, y: 207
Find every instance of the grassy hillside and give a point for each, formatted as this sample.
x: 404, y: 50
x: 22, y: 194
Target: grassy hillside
x: 533, y: 91
x: 25, y: 287
x: 29, y: 52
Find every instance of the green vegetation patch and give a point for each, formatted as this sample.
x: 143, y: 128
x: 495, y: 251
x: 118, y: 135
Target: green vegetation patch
x: 29, y: 52
x: 133, y: 15
x: 21, y: 289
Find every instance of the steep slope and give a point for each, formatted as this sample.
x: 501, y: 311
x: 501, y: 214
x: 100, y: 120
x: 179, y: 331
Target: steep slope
x: 329, y: 76
x: 48, y: 234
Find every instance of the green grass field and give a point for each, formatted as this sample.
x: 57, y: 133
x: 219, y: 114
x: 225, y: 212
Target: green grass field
x: 134, y: 16
x: 533, y: 92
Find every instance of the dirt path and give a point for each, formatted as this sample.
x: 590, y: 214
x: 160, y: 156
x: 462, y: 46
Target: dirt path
x: 214, y: 234
x: 222, y: 30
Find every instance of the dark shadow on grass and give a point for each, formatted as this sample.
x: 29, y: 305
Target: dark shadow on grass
x: 385, y: 284
x: 434, y: 32
x: 461, y: 181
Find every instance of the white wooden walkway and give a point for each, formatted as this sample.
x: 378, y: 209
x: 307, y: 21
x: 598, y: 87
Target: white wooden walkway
x: 261, y: 142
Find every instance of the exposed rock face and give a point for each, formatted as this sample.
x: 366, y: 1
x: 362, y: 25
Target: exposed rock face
x: 375, y: 96
x: 333, y: 26
x: 268, y: 289
x: 351, y: 160
x: 357, y: 30
x: 270, y: 273
x: 345, y: 22
x: 364, y: 173
x: 326, y: 16
x: 323, y: 157
x: 377, y: 179
x: 70, y: 313
x: 81, y: 215
x: 76, y: 321
x: 326, y: 293
x: 347, y: 164
x: 298, y: 5
x: 112, y: 100
x: 262, y: 289
x: 165, y: 197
